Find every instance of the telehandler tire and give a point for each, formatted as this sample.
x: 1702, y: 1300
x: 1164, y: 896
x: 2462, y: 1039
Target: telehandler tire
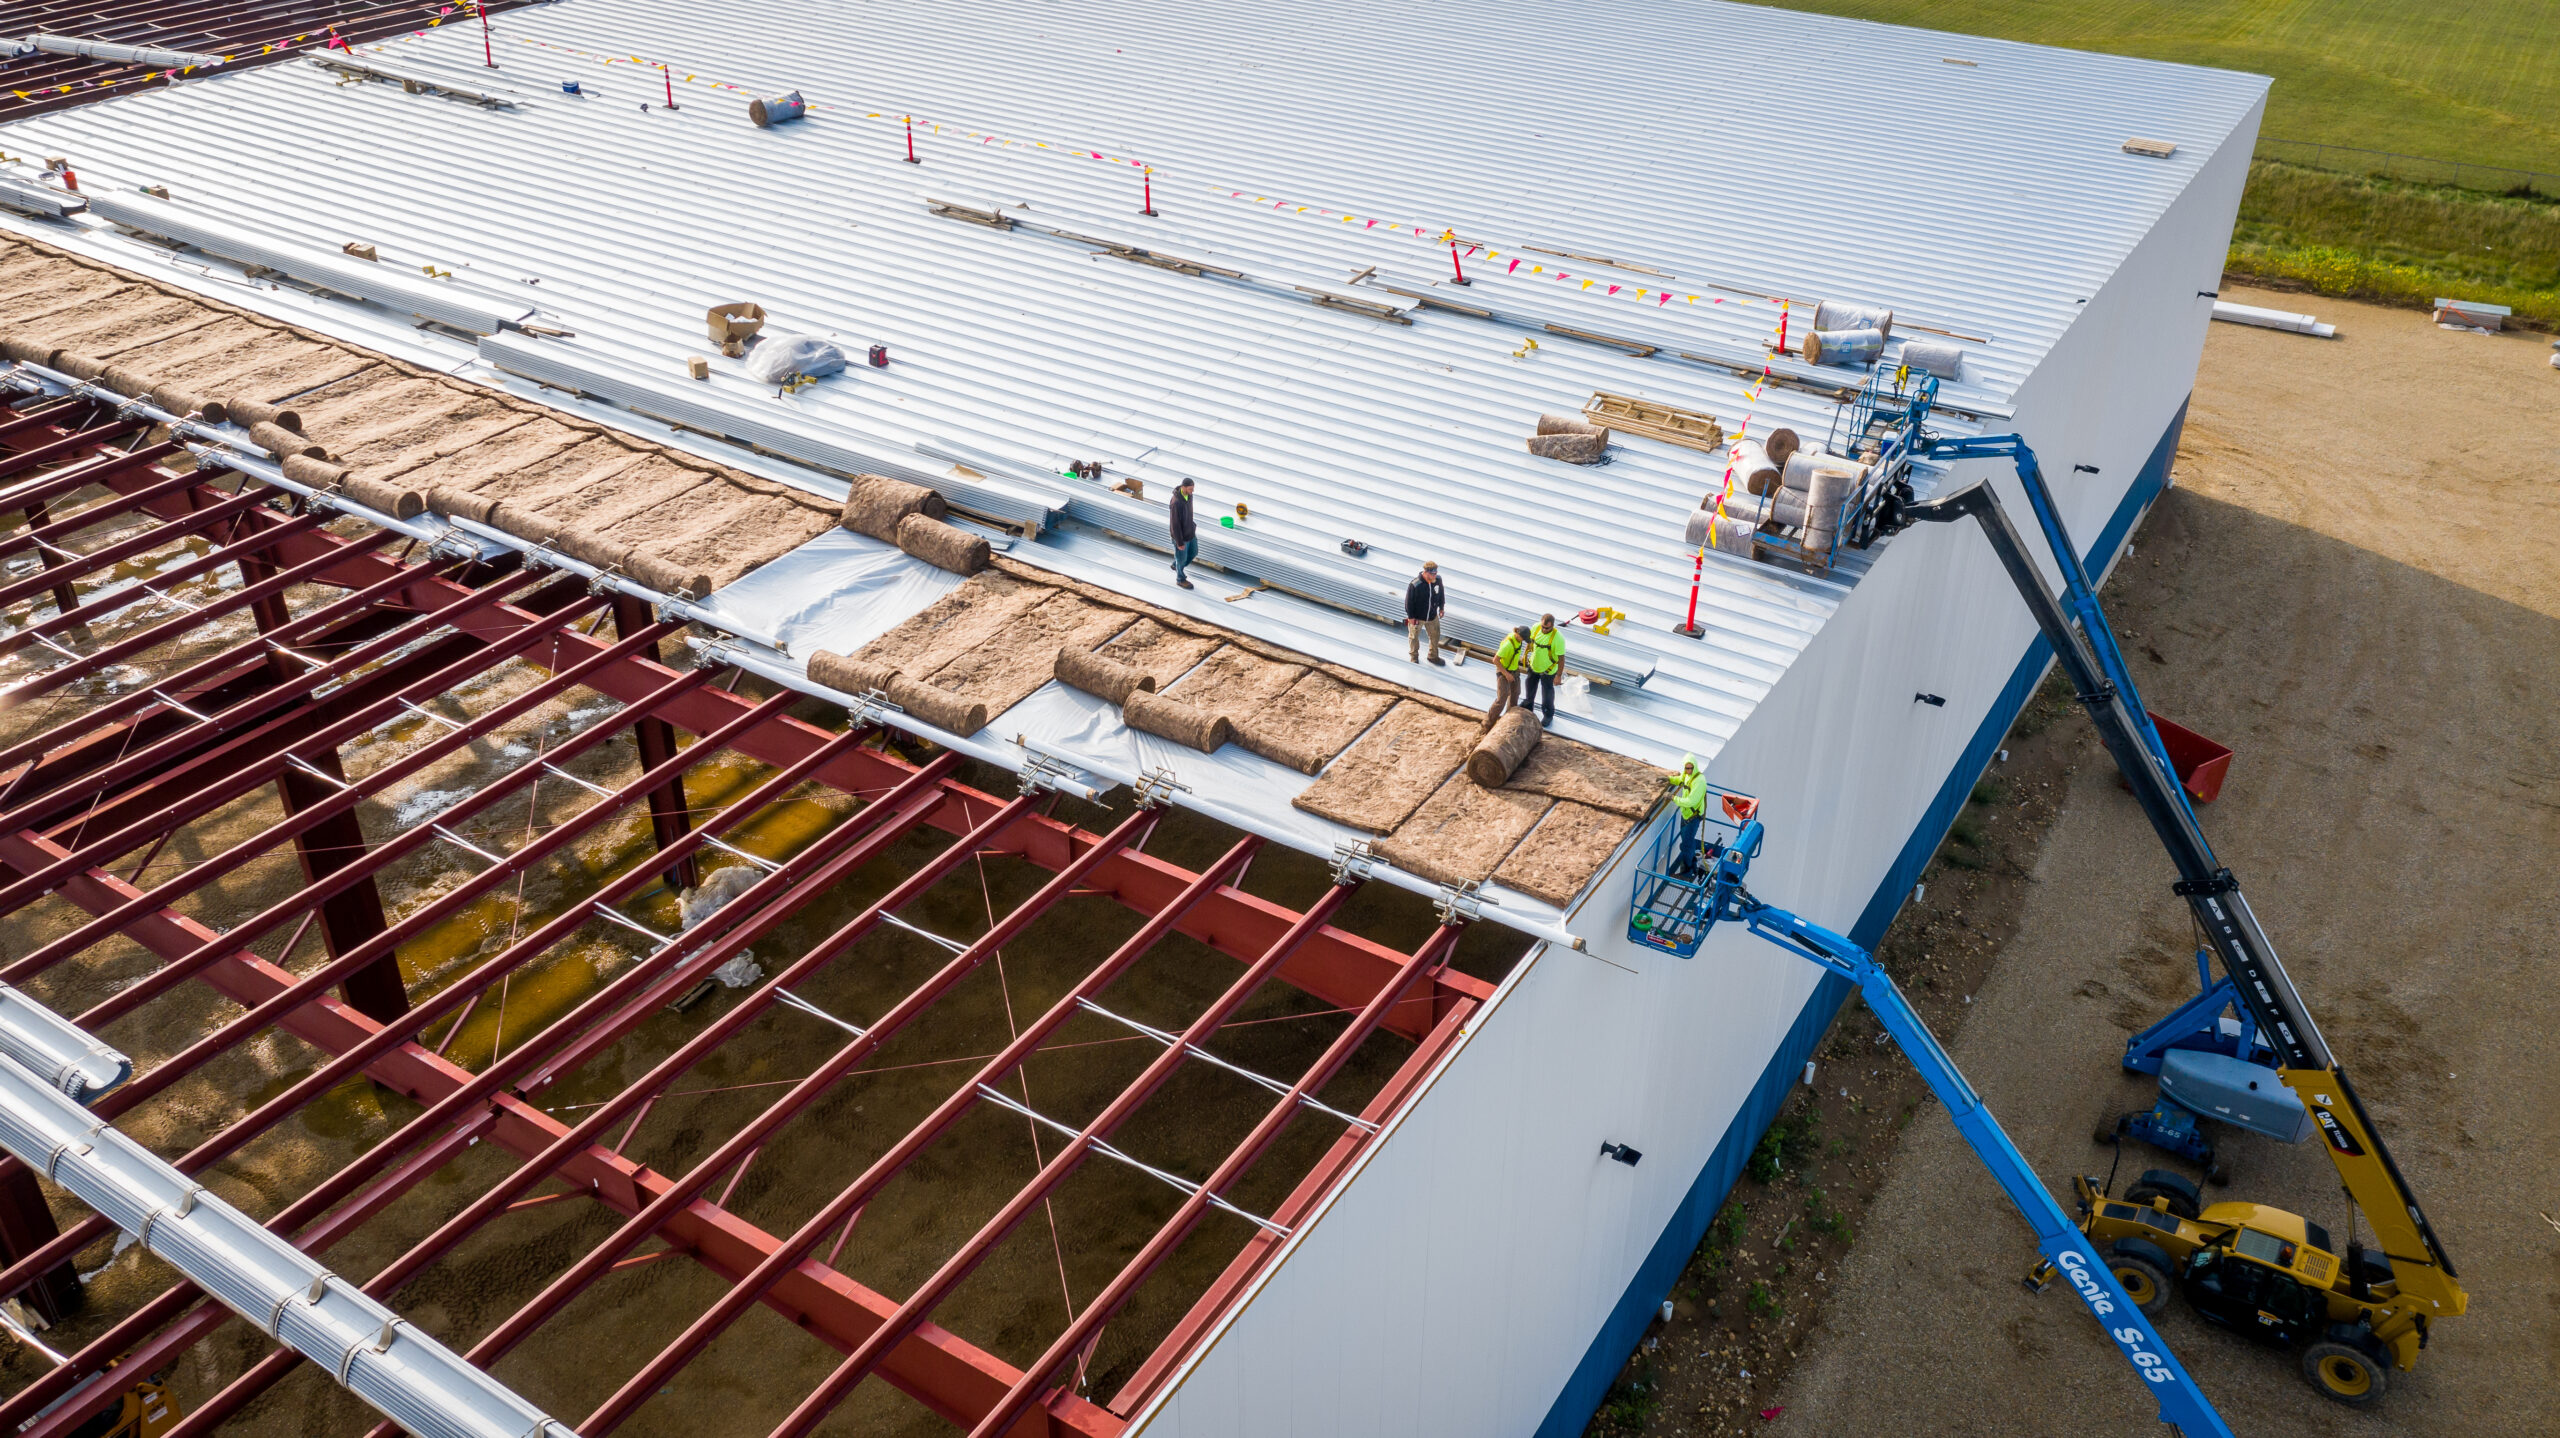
x: 2344, y: 1373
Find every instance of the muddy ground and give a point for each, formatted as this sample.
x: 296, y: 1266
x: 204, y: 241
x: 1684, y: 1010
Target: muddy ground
x: 2353, y: 583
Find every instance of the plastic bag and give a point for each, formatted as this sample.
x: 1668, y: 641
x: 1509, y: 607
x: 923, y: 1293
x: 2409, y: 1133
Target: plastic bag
x: 778, y: 357
x: 1573, y: 695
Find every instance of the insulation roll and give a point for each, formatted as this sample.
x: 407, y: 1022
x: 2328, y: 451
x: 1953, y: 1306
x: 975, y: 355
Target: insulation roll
x: 1172, y: 719
x: 588, y: 547
x: 1753, y: 468
x: 1841, y: 315
x: 279, y: 441
x: 246, y: 412
x: 938, y: 707
x: 876, y: 504
x: 665, y: 577
x: 1281, y: 748
x: 27, y: 351
x: 1742, y: 512
x: 1781, y: 444
x: 1786, y: 507
x: 129, y: 383
x: 398, y: 501
x: 1501, y: 750
x: 1571, y: 448
x: 187, y: 402
x: 1570, y: 424
x: 850, y: 675
x: 945, y: 546
x: 1935, y: 357
x: 78, y: 365
x: 463, y: 504
x: 1094, y: 674
x: 775, y: 110
x: 318, y: 473
x: 1843, y: 347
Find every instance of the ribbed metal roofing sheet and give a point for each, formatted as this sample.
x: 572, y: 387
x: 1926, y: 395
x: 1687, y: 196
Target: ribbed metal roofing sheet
x: 1716, y: 153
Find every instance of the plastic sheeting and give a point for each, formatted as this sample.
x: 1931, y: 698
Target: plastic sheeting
x: 839, y: 591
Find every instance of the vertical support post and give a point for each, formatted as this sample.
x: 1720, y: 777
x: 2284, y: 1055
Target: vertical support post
x: 26, y: 1224
x: 65, y: 596
x: 911, y: 141
x: 354, y: 914
x: 668, y: 818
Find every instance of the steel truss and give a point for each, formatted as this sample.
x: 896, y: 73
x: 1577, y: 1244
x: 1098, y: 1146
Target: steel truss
x: 343, y: 636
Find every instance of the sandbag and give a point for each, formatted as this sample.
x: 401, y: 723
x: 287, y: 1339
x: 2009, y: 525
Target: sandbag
x: 463, y: 504
x: 1499, y: 752
x: 1571, y: 448
x: 1842, y: 315
x: 652, y: 572
x: 1280, y: 747
x: 851, y: 675
x: 876, y: 503
x: 1172, y: 719
x: 246, y: 412
x: 777, y: 358
x: 1108, y: 678
x: 945, y: 546
x: 1936, y: 357
x: 280, y: 441
x: 1570, y: 424
x: 1753, y: 468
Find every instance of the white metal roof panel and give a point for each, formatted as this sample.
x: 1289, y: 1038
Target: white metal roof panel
x: 1712, y: 153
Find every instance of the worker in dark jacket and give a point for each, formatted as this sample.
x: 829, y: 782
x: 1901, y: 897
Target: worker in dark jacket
x: 1186, y: 535
x: 1424, y: 601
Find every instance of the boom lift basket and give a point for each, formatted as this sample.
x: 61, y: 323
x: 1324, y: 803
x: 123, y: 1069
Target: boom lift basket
x: 1672, y: 910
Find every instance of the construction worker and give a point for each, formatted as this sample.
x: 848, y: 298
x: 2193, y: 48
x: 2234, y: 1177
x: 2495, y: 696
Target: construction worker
x: 1424, y: 602
x: 1508, y: 661
x: 1186, y: 534
x: 1689, y: 792
x: 1546, y: 662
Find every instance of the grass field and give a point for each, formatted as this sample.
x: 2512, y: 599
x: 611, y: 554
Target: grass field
x: 2349, y: 235
x: 2474, y: 80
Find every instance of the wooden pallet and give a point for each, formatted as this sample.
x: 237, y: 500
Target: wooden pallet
x: 1687, y: 428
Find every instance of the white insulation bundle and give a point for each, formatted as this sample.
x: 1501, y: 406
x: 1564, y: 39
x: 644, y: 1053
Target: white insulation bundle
x: 1936, y: 357
x: 1842, y: 315
x: 1843, y: 347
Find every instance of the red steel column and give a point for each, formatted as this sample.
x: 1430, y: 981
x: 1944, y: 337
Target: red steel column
x: 65, y: 597
x: 26, y: 1224
x: 657, y: 739
x: 353, y: 914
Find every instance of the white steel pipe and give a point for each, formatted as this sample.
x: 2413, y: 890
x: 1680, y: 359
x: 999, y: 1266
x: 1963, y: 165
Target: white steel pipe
x: 120, y: 54
x: 2272, y: 319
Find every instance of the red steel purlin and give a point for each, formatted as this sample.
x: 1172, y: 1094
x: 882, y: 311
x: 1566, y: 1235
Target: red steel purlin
x: 377, y: 635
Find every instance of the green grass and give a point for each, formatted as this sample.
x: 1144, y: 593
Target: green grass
x: 2475, y: 80
x: 2382, y: 239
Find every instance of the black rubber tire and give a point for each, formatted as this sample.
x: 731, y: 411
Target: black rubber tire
x: 2344, y: 1373
x: 2184, y: 1199
x: 2144, y: 1270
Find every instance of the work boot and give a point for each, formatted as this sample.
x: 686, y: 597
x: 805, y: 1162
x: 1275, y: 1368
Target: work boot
x: 1436, y: 659
x: 1187, y: 584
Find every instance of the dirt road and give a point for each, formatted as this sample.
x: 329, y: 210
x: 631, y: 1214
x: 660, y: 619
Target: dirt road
x: 2354, y: 583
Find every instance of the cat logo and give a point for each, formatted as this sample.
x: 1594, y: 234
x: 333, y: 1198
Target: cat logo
x: 2336, y: 1132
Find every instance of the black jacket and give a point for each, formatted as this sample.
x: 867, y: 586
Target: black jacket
x: 1183, y: 530
x: 1424, y: 598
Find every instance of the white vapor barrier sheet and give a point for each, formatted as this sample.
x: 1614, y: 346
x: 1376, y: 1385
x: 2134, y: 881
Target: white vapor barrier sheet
x: 839, y: 591
x: 405, y: 1375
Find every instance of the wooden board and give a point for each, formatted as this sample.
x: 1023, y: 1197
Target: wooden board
x: 1688, y: 428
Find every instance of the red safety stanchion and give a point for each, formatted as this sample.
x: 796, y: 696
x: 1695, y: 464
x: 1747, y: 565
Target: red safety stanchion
x: 488, y: 56
x: 670, y: 76
x: 1150, y: 182
x: 1452, y: 237
x: 911, y: 141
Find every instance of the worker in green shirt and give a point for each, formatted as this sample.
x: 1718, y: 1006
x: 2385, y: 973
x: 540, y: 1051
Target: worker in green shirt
x: 1546, y: 661
x: 1508, y: 661
x: 1689, y: 792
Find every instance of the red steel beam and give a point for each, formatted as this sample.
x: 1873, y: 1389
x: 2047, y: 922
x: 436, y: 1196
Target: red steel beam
x: 1107, y: 1303
x: 1263, y: 1244
x: 96, y: 606
x: 965, y: 1260
x: 94, y: 437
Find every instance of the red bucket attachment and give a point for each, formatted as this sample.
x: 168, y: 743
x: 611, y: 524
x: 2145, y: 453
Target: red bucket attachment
x: 2201, y: 763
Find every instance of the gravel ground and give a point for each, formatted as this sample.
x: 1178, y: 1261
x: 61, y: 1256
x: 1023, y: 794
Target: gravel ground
x: 2354, y: 585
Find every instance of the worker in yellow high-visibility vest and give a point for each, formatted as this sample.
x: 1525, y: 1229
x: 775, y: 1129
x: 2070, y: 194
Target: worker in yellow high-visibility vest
x: 1689, y: 792
x: 1508, y: 662
x: 1546, y: 662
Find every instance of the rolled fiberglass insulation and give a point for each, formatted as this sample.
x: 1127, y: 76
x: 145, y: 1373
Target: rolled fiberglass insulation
x: 1935, y: 357
x: 1842, y: 315
x: 1843, y: 347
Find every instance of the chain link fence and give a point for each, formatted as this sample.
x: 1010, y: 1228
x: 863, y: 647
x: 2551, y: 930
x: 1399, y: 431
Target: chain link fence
x: 2422, y: 169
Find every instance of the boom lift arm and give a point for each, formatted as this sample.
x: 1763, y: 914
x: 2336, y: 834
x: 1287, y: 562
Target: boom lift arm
x: 2088, y: 654
x: 2182, y: 1404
